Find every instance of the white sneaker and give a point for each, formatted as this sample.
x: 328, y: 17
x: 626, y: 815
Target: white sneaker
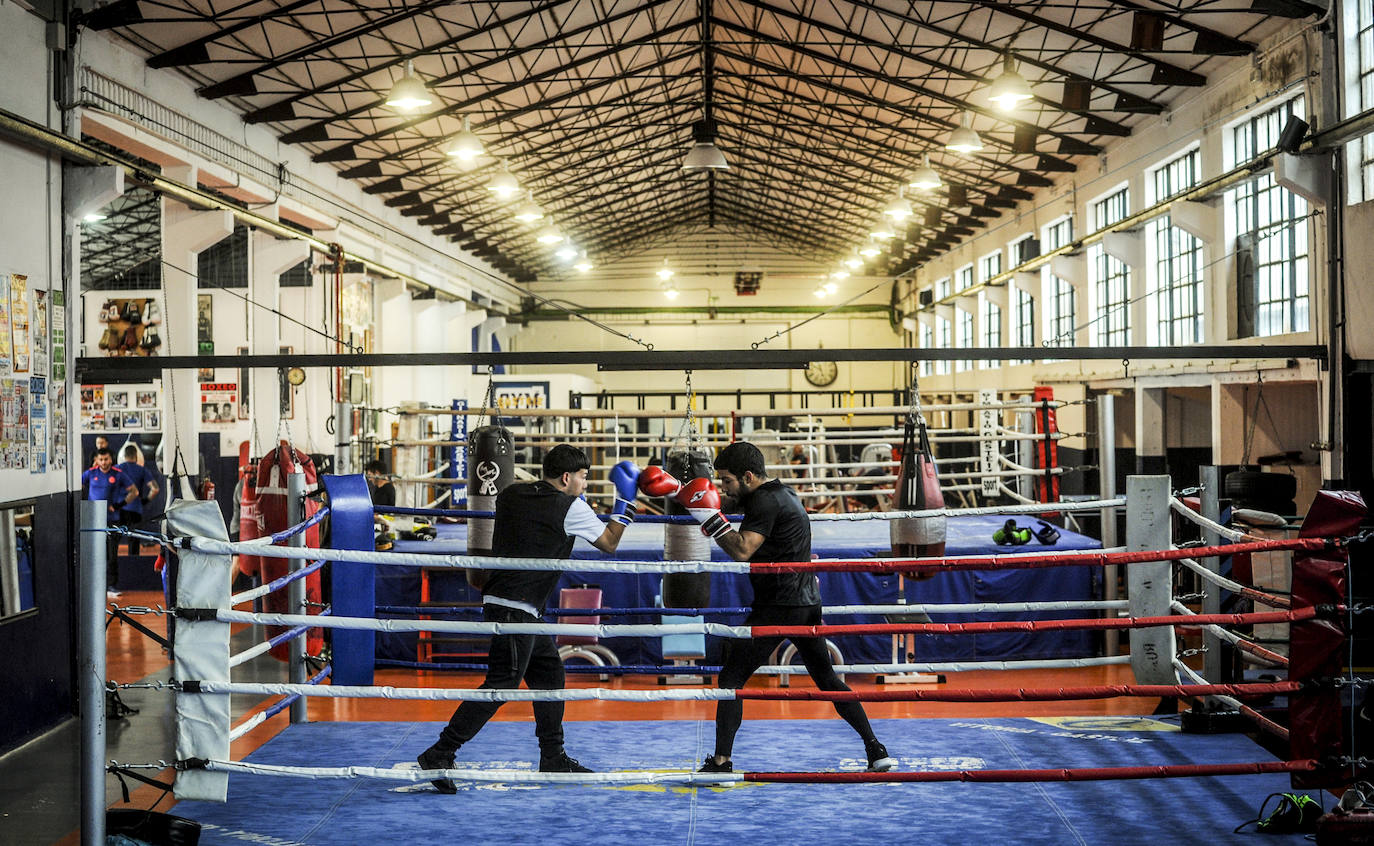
x: 111, y: 593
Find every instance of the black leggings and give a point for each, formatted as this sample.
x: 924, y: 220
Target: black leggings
x: 510, y: 659
x: 743, y: 657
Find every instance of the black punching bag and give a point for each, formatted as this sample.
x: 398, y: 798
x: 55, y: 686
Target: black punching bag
x: 491, y: 467
x: 684, y: 541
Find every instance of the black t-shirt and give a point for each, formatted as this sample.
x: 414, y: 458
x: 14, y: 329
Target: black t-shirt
x: 775, y: 511
x: 529, y: 523
x: 385, y: 494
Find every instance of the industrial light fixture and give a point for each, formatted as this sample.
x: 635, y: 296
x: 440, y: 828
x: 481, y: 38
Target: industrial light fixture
x: 854, y: 261
x: 529, y: 211
x: 93, y: 217
x: 830, y: 287
x: 670, y: 291
x: 665, y: 272
x: 549, y: 235
x: 964, y: 139
x: 465, y: 146
x: 925, y: 177
x: 882, y: 232
x: 409, y: 92
x: 820, y: 292
x: 899, y: 209
x: 869, y: 250
x: 583, y: 264
x: 504, y: 184
x: 704, y: 154
x: 567, y: 252
x: 1009, y: 89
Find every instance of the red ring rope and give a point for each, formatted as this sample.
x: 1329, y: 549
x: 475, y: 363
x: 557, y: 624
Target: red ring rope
x: 1027, y: 694
x: 1007, y: 562
x: 1294, y: 616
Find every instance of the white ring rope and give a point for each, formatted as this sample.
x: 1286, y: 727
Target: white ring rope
x: 1226, y: 635
x: 675, y: 414
x: 1196, y: 678
x: 464, y: 774
x: 225, y: 615
x: 1230, y: 534
x: 1222, y: 581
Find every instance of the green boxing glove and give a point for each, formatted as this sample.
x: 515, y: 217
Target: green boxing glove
x: 1011, y: 535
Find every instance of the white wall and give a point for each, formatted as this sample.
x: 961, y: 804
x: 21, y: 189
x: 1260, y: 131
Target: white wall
x: 30, y: 217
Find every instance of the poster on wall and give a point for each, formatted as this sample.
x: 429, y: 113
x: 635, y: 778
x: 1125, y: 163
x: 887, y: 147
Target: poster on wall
x: 19, y: 323
x: 38, y: 425
x: 39, y: 309
x: 218, y: 404
x: 6, y: 353
x: 513, y: 396
x: 57, y: 405
x: 58, y: 325
x: 14, y: 424
x: 245, y: 394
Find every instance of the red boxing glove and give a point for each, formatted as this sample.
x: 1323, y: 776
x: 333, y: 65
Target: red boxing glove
x: 655, y: 481
x: 702, y: 501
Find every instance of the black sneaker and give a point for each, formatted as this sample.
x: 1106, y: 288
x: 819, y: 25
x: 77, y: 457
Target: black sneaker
x: 710, y: 765
x: 878, y: 759
x: 432, y: 759
x: 561, y: 763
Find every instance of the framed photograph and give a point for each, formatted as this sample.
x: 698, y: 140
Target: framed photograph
x: 114, y: 421
x: 205, y: 325
x: 245, y: 401
x: 288, y: 393
x: 205, y: 374
x: 116, y: 399
x: 133, y: 420
x: 153, y: 420
x: 145, y: 399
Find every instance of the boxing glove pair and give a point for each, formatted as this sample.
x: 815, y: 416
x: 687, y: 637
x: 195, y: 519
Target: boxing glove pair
x: 698, y: 496
x: 151, y: 339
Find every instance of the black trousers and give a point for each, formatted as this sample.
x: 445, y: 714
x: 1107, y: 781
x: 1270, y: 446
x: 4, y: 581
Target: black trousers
x: 744, y: 657
x: 511, y: 659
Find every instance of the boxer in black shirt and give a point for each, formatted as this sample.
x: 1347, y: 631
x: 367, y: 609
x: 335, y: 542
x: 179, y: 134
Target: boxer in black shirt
x: 775, y: 528
x: 533, y: 520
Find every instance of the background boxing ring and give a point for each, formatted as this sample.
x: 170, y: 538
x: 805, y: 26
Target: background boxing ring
x: 966, y: 535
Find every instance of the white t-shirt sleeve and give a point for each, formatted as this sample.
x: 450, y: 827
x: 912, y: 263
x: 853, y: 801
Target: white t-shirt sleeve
x: 582, y: 522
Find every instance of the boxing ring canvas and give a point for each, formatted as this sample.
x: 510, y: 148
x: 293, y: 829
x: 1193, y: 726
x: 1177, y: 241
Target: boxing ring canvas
x: 1122, y: 813
x: 966, y: 535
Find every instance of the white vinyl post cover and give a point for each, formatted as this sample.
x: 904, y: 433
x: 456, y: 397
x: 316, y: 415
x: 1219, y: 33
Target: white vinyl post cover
x: 202, y: 650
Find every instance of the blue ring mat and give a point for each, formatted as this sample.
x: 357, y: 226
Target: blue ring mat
x: 1182, y: 810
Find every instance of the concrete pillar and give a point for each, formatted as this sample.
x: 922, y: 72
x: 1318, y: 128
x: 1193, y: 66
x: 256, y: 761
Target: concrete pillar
x: 186, y: 233
x: 1228, y: 422
x: 394, y: 385
x: 1149, y: 431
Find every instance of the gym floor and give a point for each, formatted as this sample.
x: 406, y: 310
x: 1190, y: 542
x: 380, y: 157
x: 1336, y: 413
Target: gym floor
x: 39, y: 784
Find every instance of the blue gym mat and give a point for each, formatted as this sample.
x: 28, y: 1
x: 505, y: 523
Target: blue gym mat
x: 284, y: 811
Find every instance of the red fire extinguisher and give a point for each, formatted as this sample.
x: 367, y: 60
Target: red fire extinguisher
x: 206, y: 490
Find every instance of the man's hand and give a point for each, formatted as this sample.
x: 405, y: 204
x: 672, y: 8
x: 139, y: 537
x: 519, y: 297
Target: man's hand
x: 702, y: 501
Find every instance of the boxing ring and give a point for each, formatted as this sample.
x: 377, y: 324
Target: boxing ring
x: 1049, y: 780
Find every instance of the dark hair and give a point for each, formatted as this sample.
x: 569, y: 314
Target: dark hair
x: 130, y: 452
x: 102, y: 451
x: 375, y: 466
x: 564, y: 458
x: 741, y: 457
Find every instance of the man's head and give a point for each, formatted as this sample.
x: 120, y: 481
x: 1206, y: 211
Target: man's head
x: 565, y: 467
x: 130, y: 452
x: 104, y: 459
x: 102, y: 442
x: 740, y: 468
x: 374, y: 470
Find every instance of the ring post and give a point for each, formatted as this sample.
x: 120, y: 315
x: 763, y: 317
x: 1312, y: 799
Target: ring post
x: 1212, y: 666
x: 1106, y: 463
x: 295, y: 515
x: 92, y: 623
x: 1149, y: 585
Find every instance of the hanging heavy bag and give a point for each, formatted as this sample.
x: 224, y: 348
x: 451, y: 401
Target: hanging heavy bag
x: 491, y: 469
x: 918, y: 489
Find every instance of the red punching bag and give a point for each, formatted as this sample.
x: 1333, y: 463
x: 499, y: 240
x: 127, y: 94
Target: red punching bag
x: 273, y: 470
x: 918, y: 489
